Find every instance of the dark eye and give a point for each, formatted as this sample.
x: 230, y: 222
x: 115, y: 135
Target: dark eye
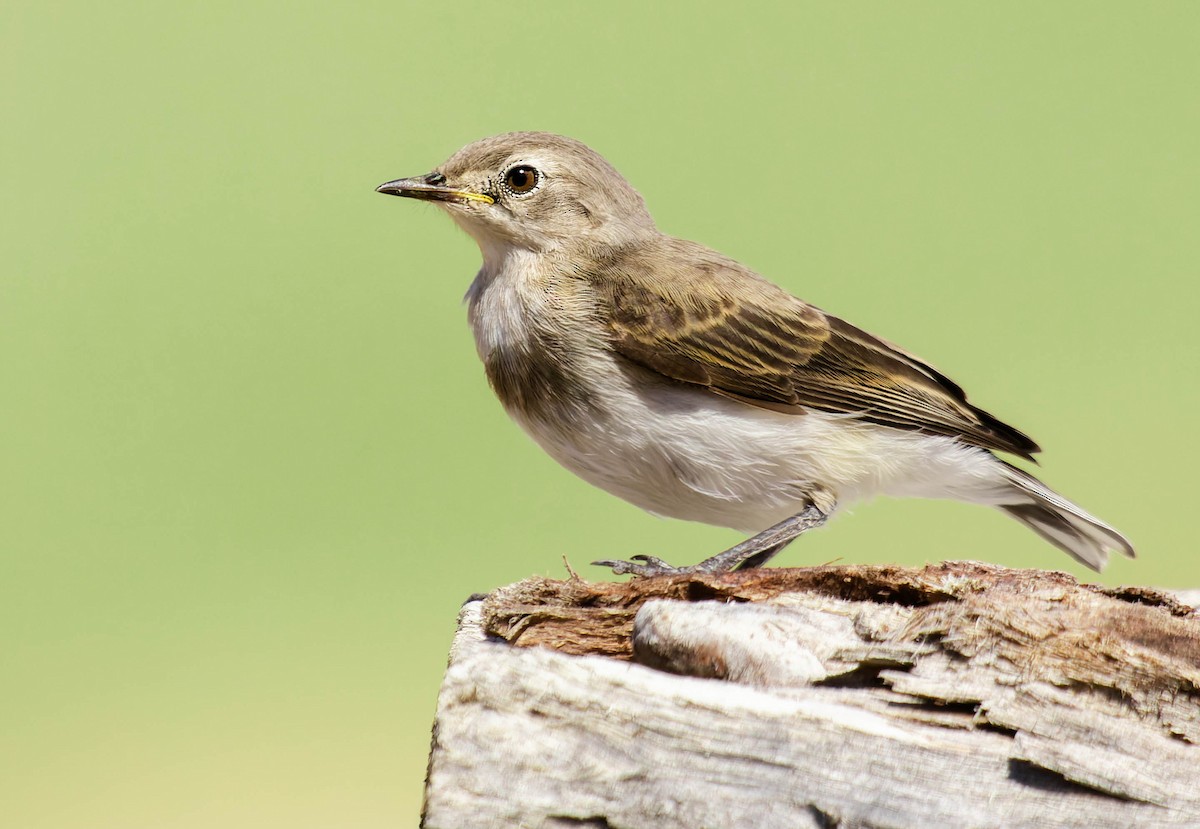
x: 522, y: 179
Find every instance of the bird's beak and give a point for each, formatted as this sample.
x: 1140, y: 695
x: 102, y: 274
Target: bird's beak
x: 430, y: 188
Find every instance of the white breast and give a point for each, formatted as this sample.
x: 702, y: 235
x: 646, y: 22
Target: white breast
x: 499, y: 303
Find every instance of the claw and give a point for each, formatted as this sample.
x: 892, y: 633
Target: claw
x: 653, y: 561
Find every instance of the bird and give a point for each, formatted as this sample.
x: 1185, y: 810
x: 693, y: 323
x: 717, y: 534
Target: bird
x: 683, y: 382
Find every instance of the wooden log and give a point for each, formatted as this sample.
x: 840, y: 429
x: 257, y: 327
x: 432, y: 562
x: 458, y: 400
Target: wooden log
x: 954, y: 695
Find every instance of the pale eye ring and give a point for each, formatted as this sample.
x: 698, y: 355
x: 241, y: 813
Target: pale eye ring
x: 522, y: 180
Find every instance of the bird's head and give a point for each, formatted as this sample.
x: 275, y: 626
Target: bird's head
x: 531, y: 190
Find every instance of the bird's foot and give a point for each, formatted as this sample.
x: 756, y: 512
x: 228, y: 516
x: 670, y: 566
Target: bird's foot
x: 753, y: 552
x: 644, y: 566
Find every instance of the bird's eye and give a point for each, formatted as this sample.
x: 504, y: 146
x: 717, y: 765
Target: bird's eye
x: 522, y: 179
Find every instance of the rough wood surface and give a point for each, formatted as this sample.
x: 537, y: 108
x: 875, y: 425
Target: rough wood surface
x: 953, y: 695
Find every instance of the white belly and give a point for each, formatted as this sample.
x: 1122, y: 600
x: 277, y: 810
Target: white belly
x: 687, y: 453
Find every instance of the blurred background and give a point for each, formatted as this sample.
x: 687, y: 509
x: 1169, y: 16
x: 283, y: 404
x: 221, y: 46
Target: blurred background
x: 251, y: 465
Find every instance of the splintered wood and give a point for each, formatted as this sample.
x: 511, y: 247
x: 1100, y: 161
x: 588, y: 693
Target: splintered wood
x: 955, y: 695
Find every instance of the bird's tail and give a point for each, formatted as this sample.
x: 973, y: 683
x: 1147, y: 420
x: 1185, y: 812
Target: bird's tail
x: 1084, y: 537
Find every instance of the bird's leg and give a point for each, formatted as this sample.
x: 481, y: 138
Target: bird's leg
x: 753, y: 552
x: 760, y: 559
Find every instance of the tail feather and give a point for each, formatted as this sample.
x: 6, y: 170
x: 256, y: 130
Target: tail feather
x: 1067, y: 526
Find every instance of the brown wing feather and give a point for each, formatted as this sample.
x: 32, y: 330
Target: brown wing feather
x: 701, y: 318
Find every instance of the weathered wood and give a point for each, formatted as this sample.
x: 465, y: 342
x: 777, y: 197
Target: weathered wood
x: 952, y: 695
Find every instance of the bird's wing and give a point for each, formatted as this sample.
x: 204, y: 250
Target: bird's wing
x: 704, y: 319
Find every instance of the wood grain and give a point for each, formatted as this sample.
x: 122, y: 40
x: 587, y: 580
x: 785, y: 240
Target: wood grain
x: 953, y: 695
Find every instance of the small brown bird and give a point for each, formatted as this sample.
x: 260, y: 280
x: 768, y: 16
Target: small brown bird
x: 685, y: 383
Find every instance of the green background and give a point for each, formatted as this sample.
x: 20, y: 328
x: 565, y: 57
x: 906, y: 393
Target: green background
x: 251, y: 465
